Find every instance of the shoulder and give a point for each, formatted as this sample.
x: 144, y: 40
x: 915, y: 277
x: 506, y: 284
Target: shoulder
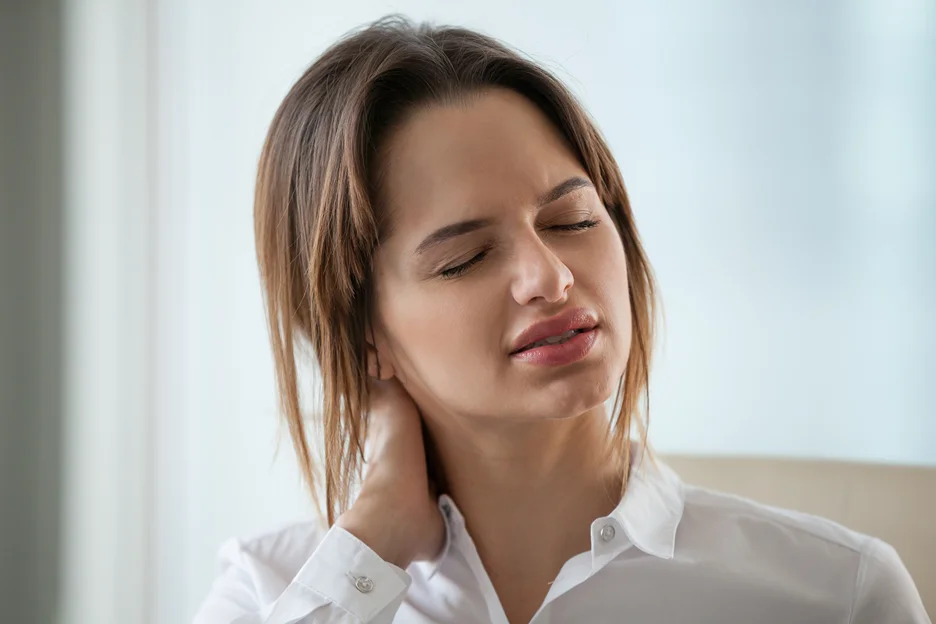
x: 813, y: 556
x: 708, y: 509
x: 884, y: 590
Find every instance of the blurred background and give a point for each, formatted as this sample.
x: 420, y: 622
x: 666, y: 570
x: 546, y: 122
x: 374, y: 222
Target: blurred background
x: 780, y: 156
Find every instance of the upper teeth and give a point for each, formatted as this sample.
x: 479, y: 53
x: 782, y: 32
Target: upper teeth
x: 555, y: 339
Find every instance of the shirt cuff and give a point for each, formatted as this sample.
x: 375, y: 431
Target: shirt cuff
x: 345, y: 571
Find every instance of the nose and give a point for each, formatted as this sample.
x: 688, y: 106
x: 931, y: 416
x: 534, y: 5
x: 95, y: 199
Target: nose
x: 540, y: 274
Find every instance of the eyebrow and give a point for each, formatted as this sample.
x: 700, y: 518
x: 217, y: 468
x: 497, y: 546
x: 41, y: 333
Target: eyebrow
x: 453, y: 230
x: 572, y: 184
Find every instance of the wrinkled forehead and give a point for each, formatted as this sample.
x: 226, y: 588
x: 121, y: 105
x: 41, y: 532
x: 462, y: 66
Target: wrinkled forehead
x: 475, y: 159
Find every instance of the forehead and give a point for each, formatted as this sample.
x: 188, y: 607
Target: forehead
x: 472, y: 159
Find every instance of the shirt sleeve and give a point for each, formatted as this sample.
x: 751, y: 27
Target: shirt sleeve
x: 884, y: 592
x: 344, y: 581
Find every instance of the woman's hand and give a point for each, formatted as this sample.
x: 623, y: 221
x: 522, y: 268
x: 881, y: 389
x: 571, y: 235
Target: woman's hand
x: 395, y: 514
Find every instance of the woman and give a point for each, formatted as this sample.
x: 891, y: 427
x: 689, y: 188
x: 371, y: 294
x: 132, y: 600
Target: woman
x: 441, y: 222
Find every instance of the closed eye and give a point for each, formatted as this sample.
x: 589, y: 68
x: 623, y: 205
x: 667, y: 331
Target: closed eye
x: 456, y: 271
x: 461, y: 268
x: 581, y: 225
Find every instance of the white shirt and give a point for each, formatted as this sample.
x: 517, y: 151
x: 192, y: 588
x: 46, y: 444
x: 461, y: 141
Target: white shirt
x: 668, y: 553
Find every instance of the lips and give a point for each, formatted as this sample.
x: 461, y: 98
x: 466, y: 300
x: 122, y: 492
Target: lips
x: 576, y: 319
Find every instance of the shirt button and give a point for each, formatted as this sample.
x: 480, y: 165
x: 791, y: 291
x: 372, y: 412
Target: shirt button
x: 364, y: 584
x: 607, y: 533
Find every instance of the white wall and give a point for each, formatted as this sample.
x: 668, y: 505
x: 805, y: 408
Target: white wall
x: 108, y: 244
x: 780, y: 159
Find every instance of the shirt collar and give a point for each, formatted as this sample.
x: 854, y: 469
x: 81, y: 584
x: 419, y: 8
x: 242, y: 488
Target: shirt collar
x: 452, y: 518
x: 649, y: 512
x: 652, y: 507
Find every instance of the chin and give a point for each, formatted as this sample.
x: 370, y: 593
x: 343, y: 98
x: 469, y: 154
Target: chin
x: 602, y: 389
x: 578, y: 394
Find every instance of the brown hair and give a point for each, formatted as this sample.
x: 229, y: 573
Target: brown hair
x: 317, y: 228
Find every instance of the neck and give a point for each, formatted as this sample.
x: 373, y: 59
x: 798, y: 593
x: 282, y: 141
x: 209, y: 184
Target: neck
x: 529, y: 490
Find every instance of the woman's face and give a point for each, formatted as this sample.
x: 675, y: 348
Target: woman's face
x: 494, y: 227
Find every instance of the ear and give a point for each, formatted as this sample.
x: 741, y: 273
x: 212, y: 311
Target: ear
x: 378, y: 367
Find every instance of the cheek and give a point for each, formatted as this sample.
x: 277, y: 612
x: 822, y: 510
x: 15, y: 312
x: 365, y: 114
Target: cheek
x: 417, y: 322
x: 441, y: 328
x: 607, y: 276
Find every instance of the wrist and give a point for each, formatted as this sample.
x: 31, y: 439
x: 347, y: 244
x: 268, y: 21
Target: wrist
x: 375, y: 528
